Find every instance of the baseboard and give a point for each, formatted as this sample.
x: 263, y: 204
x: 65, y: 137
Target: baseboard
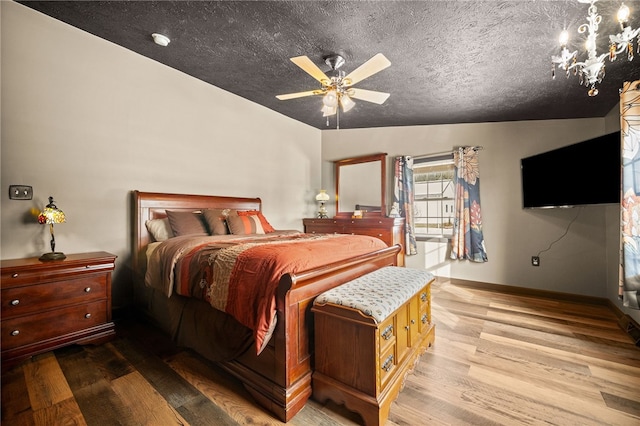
x: 523, y: 291
x: 626, y: 323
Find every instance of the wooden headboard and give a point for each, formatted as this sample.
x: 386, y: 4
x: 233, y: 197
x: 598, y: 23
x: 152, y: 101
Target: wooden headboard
x: 153, y: 205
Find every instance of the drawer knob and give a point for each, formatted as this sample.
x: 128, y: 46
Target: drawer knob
x: 406, y: 327
x: 15, y: 332
x: 15, y: 302
x: 379, y: 235
x: 388, y: 332
x: 14, y: 275
x: 87, y: 315
x: 423, y: 297
x: 425, y: 319
x: 388, y: 363
x: 413, y: 321
x: 87, y: 289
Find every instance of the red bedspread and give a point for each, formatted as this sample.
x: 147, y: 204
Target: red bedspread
x: 240, y: 276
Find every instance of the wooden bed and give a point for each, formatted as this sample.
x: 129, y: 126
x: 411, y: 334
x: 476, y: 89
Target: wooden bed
x: 280, y: 377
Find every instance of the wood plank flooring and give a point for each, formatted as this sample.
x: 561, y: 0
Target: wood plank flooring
x: 499, y: 359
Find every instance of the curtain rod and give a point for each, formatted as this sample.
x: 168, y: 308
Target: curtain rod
x: 443, y: 153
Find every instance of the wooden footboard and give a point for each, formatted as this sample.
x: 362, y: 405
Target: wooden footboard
x: 280, y: 377
x: 282, y: 381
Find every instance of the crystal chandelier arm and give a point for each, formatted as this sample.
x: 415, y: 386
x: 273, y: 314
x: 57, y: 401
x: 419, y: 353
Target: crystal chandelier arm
x: 622, y: 40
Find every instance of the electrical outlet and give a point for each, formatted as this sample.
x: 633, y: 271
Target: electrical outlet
x: 20, y: 192
x: 535, y: 260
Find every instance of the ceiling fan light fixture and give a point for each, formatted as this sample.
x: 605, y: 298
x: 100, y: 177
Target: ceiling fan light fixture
x: 327, y: 110
x: 337, y: 91
x: 346, y: 102
x: 330, y: 99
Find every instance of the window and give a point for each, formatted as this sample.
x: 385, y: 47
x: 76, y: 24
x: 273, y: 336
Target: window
x: 434, y: 196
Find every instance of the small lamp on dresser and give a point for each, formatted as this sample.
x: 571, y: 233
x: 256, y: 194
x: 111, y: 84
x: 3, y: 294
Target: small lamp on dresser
x: 322, y: 198
x: 51, y: 215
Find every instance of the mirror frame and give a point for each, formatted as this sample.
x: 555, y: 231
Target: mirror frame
x: 381, y: 157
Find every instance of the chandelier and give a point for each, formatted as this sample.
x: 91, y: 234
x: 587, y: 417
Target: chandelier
x: 591, y: 71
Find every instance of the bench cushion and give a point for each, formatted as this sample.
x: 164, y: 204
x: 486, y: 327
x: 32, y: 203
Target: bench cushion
x: 379, y: 293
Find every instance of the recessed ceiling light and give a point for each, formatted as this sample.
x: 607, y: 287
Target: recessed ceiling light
x: 160, y: 39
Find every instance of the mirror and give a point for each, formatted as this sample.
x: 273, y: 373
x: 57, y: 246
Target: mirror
x: 360, y: 185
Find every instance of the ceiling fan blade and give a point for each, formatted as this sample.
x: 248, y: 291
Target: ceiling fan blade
x: 310, y: 68
x: 372, y: 66
x: 298, y: 95
x: 369, y: 95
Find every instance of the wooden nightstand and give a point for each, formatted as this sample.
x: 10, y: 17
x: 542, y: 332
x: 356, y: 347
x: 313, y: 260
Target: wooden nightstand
x: 47, y: 305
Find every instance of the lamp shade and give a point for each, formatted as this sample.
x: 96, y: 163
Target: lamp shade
x: 51, y: 215
x: 331, y: 99
x: 322, y: 196
x: 346, y: 102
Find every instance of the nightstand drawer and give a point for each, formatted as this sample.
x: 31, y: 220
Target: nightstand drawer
x: 40, y: 273
x: 36, y: 298
x: 34, y: 328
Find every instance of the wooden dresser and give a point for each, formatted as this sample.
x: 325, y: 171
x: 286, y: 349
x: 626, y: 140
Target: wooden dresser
x: 388, y: 229
x: 47, y: 305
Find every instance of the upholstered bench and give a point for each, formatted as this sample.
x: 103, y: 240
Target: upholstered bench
x: 369, y: 335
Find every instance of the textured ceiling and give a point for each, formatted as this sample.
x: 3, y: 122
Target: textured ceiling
x: 451, y: 61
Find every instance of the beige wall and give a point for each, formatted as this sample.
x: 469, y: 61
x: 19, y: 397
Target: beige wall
x: 87, y: 122
x: 584, y: 262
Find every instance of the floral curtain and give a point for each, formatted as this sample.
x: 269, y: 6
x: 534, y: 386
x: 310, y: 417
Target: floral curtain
x: 629, y: 289
x: 468, y: 241
x: 403, y: 199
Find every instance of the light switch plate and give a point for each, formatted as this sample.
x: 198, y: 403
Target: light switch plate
x: 20, y: 192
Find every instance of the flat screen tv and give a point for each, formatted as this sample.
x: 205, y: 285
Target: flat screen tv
x: 585, y: 173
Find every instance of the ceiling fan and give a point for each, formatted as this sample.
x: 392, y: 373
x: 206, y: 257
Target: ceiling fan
x: 338, y: 89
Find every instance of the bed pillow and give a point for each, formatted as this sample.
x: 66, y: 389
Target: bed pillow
x: 216, y: 221
x: 186, y: 223
x: 263, y: 220
x: 243, y: 225
x: 160, y: 229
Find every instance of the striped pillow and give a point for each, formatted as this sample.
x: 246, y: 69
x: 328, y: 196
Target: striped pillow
x: 243, y: 225
x: 263, y: 220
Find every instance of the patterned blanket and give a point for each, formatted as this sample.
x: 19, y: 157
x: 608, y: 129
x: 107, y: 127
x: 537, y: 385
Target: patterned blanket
x: 240, y: 276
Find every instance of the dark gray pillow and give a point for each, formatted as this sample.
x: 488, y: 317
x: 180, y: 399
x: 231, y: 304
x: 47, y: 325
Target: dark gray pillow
x: 186, y: 223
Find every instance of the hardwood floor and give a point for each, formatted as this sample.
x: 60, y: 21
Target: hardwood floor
x: 499, y: 359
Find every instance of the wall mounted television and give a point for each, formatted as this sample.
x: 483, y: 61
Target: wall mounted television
x: 585, y: 173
